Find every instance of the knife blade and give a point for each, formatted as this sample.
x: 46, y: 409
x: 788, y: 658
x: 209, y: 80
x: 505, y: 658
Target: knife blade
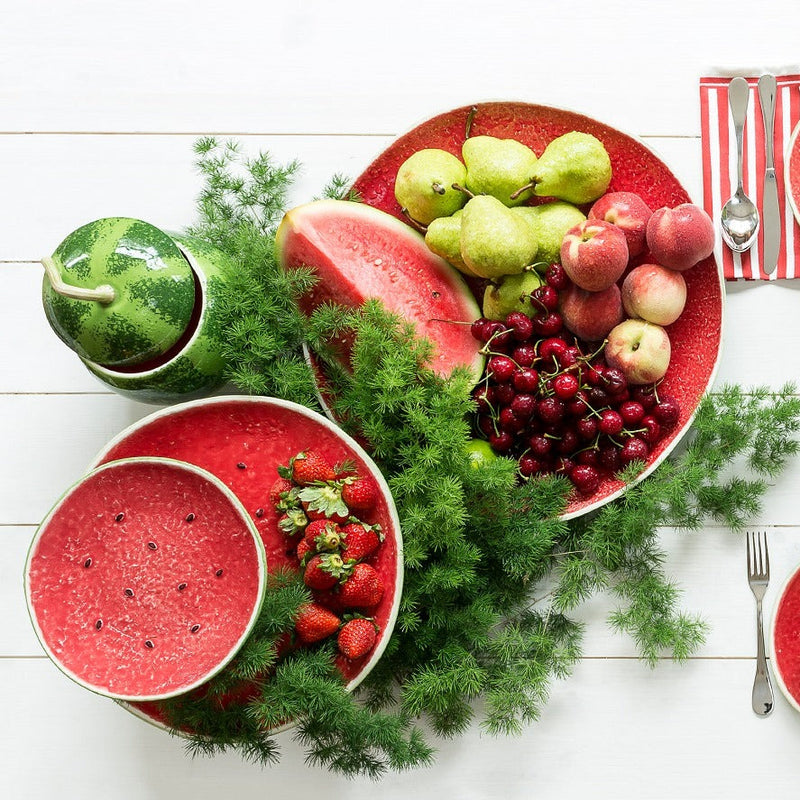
x: 771, y: 215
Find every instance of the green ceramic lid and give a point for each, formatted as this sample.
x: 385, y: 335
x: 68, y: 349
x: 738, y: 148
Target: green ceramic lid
x: 139, y: 291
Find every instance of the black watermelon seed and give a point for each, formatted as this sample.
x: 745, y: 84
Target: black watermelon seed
x: 149, y: 644
x: 189, y: 517
x: 152, y: 545
x: 181, y: 587
x: 129, y: 592
x: 194, y: 628
x: 259, y: 512
x: 119, y: 517
x: 98, y: 624
x: 218, y: 573
x: 241, y: 465
x: 87, y: 563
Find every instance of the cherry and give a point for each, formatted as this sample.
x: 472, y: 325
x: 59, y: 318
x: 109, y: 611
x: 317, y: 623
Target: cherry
x: 526, y: 380
x: 523, y: 405
x: 568, y: 443
x: 557, y: 277
x: 486, y: 425
x: 483, y: 397
x: 478, y: 329
x: 507, y: 420
x: 610, y: 422
x: 635, y: 449
x: 608, y: 458
x: 501, y: 441
x: 667, y: 411
x: 501, y: 368
x: 550, y: 409
x: 524, y: 354
x: 520, y: 325
x: 615, y: 381
x: 645, y: 394
x: 585, y: 478
x: 632, y: 412
x: 548, y: 324
x: 503, y: 393
x: 651, y: 429
x: 552, y: 348
x: 578, y: 406
x: 566, y: 385
x: 529, y: 465
x: 540, y: 445
x: 586, y: 428
x: 546, y: 296
x: 588, y: 456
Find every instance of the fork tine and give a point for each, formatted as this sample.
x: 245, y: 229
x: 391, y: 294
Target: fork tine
x: 766, y: 556
x: 749, y: 553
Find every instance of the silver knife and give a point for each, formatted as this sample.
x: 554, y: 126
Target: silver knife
x: 771, y: 216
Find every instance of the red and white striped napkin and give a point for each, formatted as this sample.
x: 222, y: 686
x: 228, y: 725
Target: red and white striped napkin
x: 719, y: 169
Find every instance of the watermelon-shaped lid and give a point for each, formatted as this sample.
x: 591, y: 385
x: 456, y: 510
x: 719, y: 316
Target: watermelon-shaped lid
x: 145, y: 578
x: 118, y: 291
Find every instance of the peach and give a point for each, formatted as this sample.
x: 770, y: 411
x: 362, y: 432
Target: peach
x: 680, y: 237
x: 640, y: 349
x: 654, y: 293
x: 594, y: 254
x: 591, y: 315
x: 628, y: 212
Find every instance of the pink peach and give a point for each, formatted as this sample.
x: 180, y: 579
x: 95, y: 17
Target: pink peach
x: 591, y: 315
x: 628, y: 212
x: 680, y: 237
x: 640, y: 349
x: 654, y: 293
x: 594, y: 254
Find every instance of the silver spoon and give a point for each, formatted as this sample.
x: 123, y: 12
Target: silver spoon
x: 739, y: 215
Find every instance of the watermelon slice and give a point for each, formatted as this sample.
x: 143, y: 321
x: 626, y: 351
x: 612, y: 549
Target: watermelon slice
x: 242, y: 441
x: 145, y: 579
x: 696, y: 336
x: 359, y: 252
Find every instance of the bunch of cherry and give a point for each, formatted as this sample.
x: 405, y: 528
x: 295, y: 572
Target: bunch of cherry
x: 550, y: 401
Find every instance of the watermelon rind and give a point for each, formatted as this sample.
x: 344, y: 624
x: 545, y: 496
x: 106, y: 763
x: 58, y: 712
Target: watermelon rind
x: 351, y: 444
x: 152, y: 283
x: 198, y: 368
x: 241, y: 512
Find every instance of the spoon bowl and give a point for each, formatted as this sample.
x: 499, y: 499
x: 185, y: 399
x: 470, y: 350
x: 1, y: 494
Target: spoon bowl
x: 739, y: 217
x: 740, y: 222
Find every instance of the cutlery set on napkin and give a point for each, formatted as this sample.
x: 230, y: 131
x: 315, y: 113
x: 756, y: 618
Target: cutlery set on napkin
x: 744, y: 147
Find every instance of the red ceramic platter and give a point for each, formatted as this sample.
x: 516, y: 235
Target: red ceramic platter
x: 792, y: 172
x: 696, y: 336
x: 785, y: 639
x: 241, y: 441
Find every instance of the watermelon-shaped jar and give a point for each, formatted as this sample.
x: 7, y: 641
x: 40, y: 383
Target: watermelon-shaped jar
x: 138, y: 305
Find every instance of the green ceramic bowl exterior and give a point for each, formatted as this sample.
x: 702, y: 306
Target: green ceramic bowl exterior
x: 197, y: 368
x: 153, y: 285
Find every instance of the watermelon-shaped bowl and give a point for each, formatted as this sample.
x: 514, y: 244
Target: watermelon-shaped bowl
x: 145, y: 579
x: 241, y: 441
x: 784, y: 639
x: 791, y: 172
x: 696, y: 337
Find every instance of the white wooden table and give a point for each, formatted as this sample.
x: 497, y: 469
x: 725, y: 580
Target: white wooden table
x: 99, y: 106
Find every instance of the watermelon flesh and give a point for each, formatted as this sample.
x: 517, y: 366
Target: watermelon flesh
x: 145, y: 579
x: 359, y: 252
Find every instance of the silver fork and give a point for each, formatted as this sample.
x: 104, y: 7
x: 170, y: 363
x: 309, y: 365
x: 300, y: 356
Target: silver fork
x: 758, y: 578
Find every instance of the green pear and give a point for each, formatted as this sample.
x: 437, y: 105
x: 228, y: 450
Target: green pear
x: 574, y: 167
x: 494, y: 240
x: 424, y: 184
x: 512, y: 293
x: 443, y: 237
x: 551, y: 221
x: 499, y: 167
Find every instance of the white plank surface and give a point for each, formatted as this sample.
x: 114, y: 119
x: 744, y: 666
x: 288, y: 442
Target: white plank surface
x: 99, y: 106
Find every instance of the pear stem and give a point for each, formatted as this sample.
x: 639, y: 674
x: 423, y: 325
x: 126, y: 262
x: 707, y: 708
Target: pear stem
x: 102, y: 294
x: 411, y: 221
x: 470, y: 119
x: 530, y: 185
x: 459, y: 188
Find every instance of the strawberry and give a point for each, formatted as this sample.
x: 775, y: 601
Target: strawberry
x: 280, y: 491
x: 314, y: 623
x: 324, y: 571
x: 325, y: 498
x: 360, y: 540
x: 359, y: 493
x: 292, y: 522
x: 305, y: 549
x: 309, y: 467
x: 362, y: 589
x: 356, y: 638
x: 325, y: 534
